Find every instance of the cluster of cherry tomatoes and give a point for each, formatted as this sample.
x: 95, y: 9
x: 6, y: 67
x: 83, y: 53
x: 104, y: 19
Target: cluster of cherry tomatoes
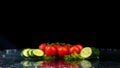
x: 59, y: 49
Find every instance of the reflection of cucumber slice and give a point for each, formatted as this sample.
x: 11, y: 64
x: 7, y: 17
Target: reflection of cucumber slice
x: 86, y: 64
x: 87, y: 52
x: 93, y: 63
x: 24, y: 53
x: 25, y: 63
x: 38, y: 63
x: 38, y: 52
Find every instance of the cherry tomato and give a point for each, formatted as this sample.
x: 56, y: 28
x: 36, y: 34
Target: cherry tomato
x: 42, y: 46
x: 67, y: 46
x: 62, y: 51
x: 79, y: 46
x: 57, y: 45
x: 74, y: 49
x: 50, y: 50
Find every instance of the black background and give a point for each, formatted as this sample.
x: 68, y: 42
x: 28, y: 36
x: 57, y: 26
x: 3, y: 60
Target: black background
x: 32, y: 39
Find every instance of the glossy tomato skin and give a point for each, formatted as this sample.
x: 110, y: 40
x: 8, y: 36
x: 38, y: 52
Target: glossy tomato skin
x: 67, y: 46
x: 50, y: 50
x: 62, y: 51
x: 42, y: 46
x: 80, y: 46
x: 74, y: 49
x: 57, y: 45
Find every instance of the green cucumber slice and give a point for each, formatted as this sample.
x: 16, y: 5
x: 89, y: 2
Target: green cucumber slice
x: 30, y: 53
x: 89, y: 52
x: 24, y: 53
x: 37, y: 52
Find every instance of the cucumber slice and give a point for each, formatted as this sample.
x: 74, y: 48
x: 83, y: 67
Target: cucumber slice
x: 37, y: 52
x: 24, y: 53
x: 89, y: 52
x: 30, y: 53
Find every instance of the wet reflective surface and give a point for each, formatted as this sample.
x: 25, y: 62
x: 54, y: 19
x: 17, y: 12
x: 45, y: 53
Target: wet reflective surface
x: 10, y: 58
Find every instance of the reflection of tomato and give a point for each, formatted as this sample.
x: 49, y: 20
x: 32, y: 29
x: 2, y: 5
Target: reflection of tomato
x: 62, y: 64
x: 50, y: 50
x: 59, y: 64
x: 71, y: 65
x: 74, y: 49
x: 42, y: 46
x: 50, y: 64
x: 77, y: 66
x: 46, y: 64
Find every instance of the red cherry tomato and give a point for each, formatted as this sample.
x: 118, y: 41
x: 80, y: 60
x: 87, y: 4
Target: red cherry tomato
x: 74, y: 49
x: 67, y: 46
x: 62, y: 51
x: 42, y: 46
x: 79, y: 46
x: 50, y: 50
x: 57, y: 45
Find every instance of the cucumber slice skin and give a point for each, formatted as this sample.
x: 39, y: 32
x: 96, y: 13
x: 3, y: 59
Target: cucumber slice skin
x: 24, y: 53
x: 30, y: 53
x: 95, y: 53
